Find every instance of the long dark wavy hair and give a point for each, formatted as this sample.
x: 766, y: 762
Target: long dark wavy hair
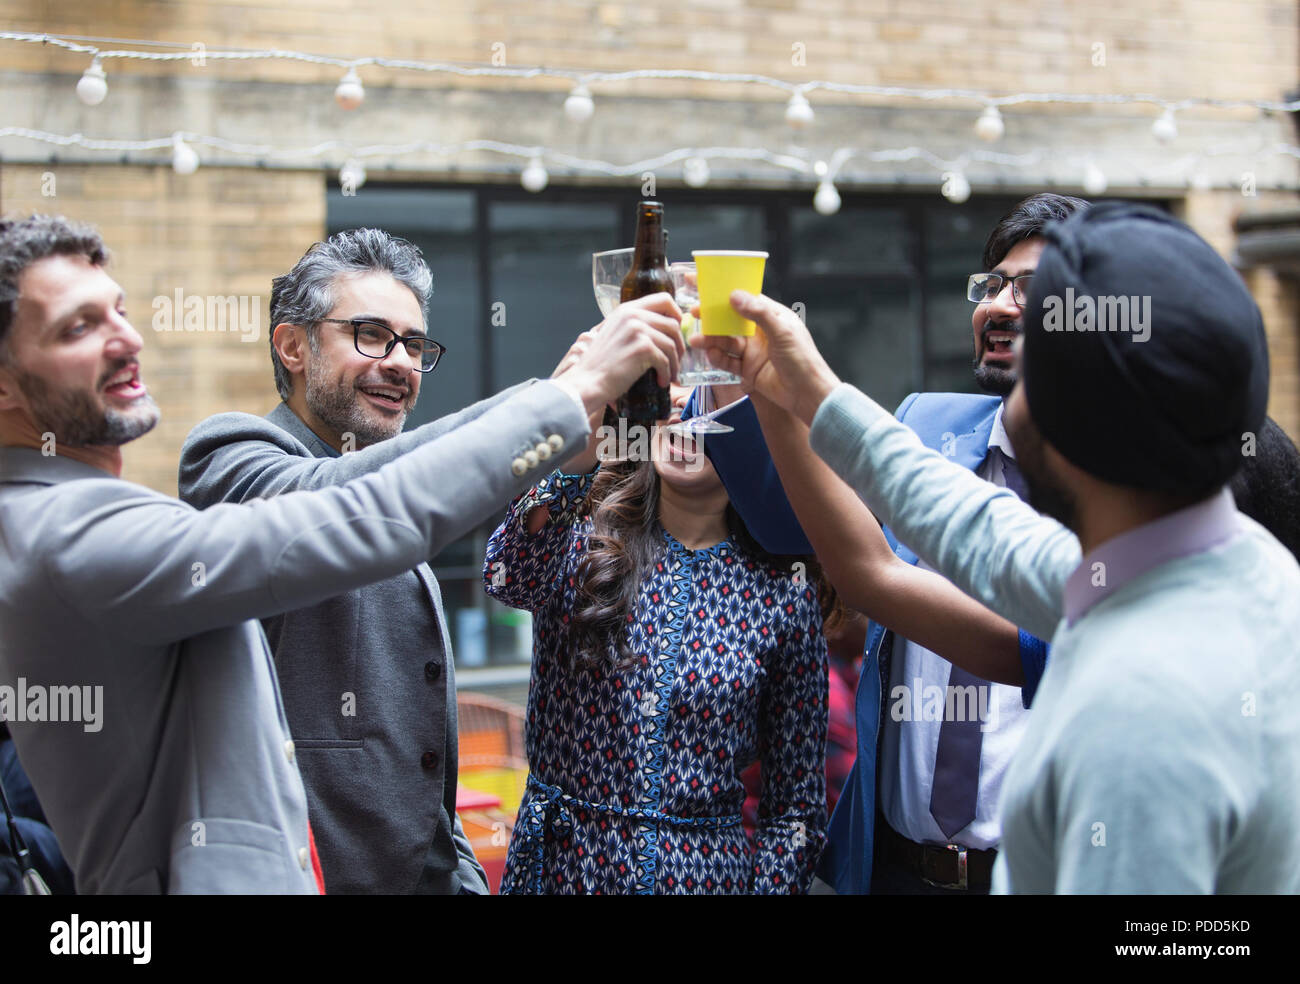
x: 624, y: 508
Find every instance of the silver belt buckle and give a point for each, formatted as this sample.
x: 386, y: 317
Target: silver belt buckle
x: 961, y: 882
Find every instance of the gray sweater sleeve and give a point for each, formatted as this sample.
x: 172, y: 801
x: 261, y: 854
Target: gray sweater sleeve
x: 234, y: 457
x: 982, y: 538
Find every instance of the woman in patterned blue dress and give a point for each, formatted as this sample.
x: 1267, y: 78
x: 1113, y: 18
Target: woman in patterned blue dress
x: 669, y: 653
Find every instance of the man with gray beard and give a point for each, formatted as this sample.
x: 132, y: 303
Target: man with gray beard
x: 367, y: 676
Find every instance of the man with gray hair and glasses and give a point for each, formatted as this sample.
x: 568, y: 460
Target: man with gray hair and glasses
x: 185, y: 777
x: 367, y: 675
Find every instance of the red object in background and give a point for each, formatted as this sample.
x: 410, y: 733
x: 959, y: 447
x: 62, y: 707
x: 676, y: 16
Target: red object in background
x: 472, y: 799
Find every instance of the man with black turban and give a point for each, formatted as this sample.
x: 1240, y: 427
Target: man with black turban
x: 1163, y: 752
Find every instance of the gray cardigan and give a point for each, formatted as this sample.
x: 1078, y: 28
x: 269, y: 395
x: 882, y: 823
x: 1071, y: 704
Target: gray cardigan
x: 367, y: 675
x: 190, y: 782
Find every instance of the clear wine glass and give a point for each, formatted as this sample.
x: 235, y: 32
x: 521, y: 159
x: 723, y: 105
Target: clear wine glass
x: 607, y: 272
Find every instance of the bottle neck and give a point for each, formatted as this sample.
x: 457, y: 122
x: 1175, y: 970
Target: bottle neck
x: 650, y: 249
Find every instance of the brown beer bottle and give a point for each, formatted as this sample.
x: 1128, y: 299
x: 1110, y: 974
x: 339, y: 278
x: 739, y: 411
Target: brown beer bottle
x: 647, y: 401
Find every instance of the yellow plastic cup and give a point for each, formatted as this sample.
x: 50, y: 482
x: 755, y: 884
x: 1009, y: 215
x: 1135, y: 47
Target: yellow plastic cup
x: 720, y: 271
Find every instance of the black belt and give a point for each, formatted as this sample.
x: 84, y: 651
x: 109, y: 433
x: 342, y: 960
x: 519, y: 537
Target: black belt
x: 942, y: 865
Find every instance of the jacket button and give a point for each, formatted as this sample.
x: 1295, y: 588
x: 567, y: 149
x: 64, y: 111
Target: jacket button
x: 304, y: 857
x: 530, y: 459
x: 518, y: 466
x: 556, y: 442
x: 288, y: 750
x: 432, y: 669
x: 429, y: 760
x: 543, y: 451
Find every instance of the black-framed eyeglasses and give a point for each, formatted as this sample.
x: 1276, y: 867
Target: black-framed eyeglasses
x: 984, y: 287
x: 375, y: 341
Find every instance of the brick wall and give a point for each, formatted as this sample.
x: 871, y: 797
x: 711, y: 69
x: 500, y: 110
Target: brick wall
x: 1220, y: 48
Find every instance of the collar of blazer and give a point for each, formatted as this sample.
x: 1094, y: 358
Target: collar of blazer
x: 287, y: 420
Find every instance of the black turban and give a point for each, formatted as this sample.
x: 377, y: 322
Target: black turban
x: 1145, y: 360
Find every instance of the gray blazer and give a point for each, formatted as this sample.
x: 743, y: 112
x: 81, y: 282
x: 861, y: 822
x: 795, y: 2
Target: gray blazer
x: 367, y: 676
x: 190, y: 782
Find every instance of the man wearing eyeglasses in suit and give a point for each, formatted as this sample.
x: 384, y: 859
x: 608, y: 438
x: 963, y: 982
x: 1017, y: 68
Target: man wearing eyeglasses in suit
x: 367, y: 676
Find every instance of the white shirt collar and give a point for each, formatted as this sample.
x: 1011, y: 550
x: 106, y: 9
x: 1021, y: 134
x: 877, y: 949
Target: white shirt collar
x: 998, y: 436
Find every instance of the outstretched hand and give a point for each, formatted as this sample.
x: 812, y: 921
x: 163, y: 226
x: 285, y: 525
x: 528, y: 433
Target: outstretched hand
x: 779, y: 362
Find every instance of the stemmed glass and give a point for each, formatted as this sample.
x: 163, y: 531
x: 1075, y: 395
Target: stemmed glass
x: 608, y: 269
x: 607, y: 272
x: 696, y: 369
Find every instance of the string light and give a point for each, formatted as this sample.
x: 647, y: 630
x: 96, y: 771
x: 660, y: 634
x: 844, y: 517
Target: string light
x: 695, y: 172
x: 184, y: 159
x: 185, y: 52
x: 579, y: 106
x: 989, y: 127
x: 798, y: 113
x: 92, y: 87
x: 826, y: 200
x: 694, y: 161
x: 1094, y: 181
x: 350, y: 93
x: 955, y: 187
x: 352, y: 175
x: 1164, y: 129
x: 534, y: 177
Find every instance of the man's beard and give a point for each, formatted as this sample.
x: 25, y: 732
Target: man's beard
x: 341, y: 410
x: 995, y: 379
x: 77, y: 420
x: 1047, y: 494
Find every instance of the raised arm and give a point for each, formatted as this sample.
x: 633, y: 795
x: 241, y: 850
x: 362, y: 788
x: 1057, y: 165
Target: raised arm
x: 234, y: 457
x: 984, y: 539
x: 852, y: 549
x: 154, y: 570
x: 527, y: 555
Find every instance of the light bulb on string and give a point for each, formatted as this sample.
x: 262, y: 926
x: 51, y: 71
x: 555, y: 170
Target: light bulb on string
x: 798, y: 113
x: 92, y: 87
x: 955, y: 187
x: 1164, y: 129
x: 579, y: 105
x: 826, y: 200
x: 352, y: 175
x: 184, y: 159
x: 349, y: 93
x: 989, y: 127
x: 1094, y: 181
x: 534, y: 177
x: 695, y: 172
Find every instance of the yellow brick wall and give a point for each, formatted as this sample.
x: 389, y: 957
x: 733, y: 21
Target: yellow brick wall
x: 1218, y: 48
x: 219, y: 232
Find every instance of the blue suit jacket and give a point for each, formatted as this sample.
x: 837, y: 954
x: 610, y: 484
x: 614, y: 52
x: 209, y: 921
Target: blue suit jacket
x: 956, y: 424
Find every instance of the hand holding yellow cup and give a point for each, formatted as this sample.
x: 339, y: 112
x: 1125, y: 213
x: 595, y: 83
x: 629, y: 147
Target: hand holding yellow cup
x: 720, y: 271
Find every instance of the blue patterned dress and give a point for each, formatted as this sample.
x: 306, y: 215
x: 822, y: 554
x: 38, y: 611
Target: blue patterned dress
x: 634, y: 782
